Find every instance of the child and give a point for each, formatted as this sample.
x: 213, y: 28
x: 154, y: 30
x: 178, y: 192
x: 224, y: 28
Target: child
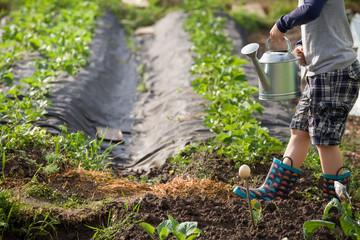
x: 333, y: 81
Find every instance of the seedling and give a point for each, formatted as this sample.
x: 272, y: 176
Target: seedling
x: 182, y: 231
x: 244, y: 172
x: 257, y: 210
x: 349, y: 222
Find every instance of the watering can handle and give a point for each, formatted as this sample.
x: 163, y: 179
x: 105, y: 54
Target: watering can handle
x: 287, y: 42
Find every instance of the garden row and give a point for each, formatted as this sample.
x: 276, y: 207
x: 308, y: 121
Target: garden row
x: 59, y: 33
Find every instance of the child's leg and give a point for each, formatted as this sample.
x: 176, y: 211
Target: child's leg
x: 330, y: 158
x: 297, y: 148
x: 333, y: 170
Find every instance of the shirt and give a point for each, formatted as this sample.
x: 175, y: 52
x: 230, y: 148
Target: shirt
x: 326, y: 35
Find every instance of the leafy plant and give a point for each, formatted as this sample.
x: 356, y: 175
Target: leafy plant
x: 222, y: 81
x: 349, y: 223
x: 182, y: 231
x: 61, y: 41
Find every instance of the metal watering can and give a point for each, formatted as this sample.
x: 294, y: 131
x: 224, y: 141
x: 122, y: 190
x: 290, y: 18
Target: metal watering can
x: 279, y: 72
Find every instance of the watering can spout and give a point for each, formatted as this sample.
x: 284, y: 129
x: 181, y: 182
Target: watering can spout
x: 251, y: 51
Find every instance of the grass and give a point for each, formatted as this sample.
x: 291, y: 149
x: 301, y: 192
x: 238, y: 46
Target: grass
x: 116, y: 225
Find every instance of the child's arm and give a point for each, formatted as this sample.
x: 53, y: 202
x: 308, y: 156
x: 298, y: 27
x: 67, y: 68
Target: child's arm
x: 303, y: 14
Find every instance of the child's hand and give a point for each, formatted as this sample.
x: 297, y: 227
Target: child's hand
x: 275, y: 34
x: 299, y: 51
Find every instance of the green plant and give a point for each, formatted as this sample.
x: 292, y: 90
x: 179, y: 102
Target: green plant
x: 221, y: 80
x: 133, y: 17
x: 257, y: 210
x: 10, y: 212
x: 94, y: 159
x: 4, y: 220
x: 141, y: 73
x: 42, y: 227
x: 349, y: 222
x: 182, y: 231
x: 62, y: 42
x: 280, y: 8
x: 251, y: 22
x: 114, y: 225
x: 42, y: 190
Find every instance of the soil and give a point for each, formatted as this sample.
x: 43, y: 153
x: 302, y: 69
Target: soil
x: 200, y: 192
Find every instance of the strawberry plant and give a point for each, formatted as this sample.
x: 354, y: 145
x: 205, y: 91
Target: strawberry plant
x: 57, y: 33
x: 221, y: 79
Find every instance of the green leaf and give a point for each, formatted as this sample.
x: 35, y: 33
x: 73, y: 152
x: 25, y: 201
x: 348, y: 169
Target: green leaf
x: 349, y: 226
x: 164, y: 233
x: 186, y: 228
x: 148, y: 228
x: 333, y: 203
x: 165, y: 224
x: 310, y: 226
x: 8, y: 78
x: 3, y: 224
x: 256, y: 204
x: 191, y: 237
x: 198, y: 232
x: 228, y: 108
x: 179, y: 236
x: 173, y: 222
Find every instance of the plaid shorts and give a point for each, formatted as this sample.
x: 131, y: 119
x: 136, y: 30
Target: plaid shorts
x: 325, y: 104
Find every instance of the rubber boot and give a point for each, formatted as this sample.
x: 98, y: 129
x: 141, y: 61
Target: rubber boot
x: 277, y: 185
x: 328, y: 183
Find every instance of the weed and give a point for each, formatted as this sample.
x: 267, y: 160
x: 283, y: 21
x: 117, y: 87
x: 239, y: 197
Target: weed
x: 114, y: 225
x: 73, y: 200
x: 42, y: 190
x: 4, y: 220
x: 12, y: 216
x: 141, y: 73
x: 42, y: 227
